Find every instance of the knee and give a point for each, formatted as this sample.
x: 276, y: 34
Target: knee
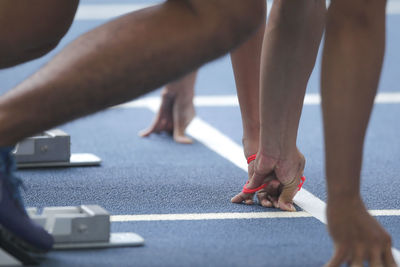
x: 33, y: 31
x: 233, y: 21
x: 357, y: 13
x: 244, y: 17
x: 248, y: 15
x: 18, y: 51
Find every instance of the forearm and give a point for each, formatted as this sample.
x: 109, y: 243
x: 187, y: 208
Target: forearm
x: 352, y: 61
x: 246, y: 67
x: 290, y: 48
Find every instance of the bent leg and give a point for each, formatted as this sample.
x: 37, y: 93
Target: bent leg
x: 30, y: 29
x: 141, y: 50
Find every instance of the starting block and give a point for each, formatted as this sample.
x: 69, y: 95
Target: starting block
x: 86, y: 226
x: 82, y: 227
x: 50, y: 149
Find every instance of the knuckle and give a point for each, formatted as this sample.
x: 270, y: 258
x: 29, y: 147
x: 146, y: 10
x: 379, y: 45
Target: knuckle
x: 262, y: 194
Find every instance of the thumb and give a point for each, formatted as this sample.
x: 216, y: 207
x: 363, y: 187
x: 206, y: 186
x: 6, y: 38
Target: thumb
x: 285, y: 200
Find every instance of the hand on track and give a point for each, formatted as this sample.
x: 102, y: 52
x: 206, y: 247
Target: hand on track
x: 282, y: 176
x: 174, y: 115
x: 357, y: 236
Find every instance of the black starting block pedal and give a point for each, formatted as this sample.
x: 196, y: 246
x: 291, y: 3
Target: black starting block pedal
x: 51, y: 149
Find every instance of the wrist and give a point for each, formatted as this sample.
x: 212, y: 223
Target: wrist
x: 168, y: 93
x: 250, y: 146
x: 342, y: 189
x: 278, y: 142
x: 344, y: 202
x: 278, y: 153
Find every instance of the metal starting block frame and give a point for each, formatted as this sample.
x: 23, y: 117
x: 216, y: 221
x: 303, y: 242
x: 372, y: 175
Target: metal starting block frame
x: 51, y: 149
x: 81, y: 227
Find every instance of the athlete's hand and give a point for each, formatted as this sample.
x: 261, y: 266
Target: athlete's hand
x: 282, y: 176
x: 357, y: 236
x: 174, y: 115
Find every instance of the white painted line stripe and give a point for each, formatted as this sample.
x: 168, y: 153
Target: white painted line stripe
x: 231, y: 215
x: 396, y: 255
x: 310, y: 203
x: 221, y: 101
x: 145, y: 102
x: 312, y: 99
x: 387, y: 98
x: 105, y: 11
x: 217, y: 142
x: 393, y: 8
x: 384, y: 212
x: 108, y: 11
x: 209, y: 216
x: 232, y: 101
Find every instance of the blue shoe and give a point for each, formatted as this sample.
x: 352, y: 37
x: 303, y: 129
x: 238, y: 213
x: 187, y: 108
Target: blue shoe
x: 16, y: 227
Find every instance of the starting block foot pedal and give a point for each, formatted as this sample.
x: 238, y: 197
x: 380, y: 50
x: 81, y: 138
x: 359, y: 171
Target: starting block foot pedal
x: 50, y: 149
x: 82, y: 227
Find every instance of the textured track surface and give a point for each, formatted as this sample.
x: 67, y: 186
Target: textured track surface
x: 157, y: 176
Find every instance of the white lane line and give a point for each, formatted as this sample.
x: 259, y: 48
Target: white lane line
x: 145, y: 102
x: 396, y: 255
x: 393, y: 8
x: 387, y: 98
x: 384, y: 212
x: 206, y: 101
x: 217, y: 142
x: 108, y: 11
x: 208, y: 216
x: 232, y: 101
x: 105, y: 11
x: 228, y: 216
x: 310, y: 203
